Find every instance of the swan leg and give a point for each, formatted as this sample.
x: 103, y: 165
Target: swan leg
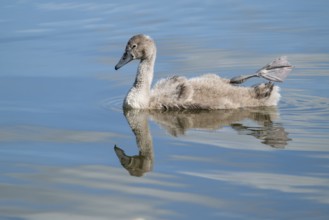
x: 241, y: 79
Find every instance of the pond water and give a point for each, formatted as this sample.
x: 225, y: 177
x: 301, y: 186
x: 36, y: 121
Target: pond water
x: 61, y: 115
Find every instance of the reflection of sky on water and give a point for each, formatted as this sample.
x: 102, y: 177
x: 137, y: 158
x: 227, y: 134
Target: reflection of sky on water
x: 99, y: 192
x: 148, y: 198
x: 60, y: 110
x: 71, y: 33
x: 35, y: 134
x: 79, y: 202
x: 311, y: 187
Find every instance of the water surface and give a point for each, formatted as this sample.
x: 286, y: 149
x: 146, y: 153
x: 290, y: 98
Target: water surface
x: 61, y: 115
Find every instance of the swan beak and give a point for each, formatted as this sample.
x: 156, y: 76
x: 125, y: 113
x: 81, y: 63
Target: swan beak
x: 126, y: 58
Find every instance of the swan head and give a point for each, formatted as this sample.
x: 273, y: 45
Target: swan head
x: 139, y: 47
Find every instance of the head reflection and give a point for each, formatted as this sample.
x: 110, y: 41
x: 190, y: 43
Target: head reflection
x: 178, y: 122
x: 136, y: 165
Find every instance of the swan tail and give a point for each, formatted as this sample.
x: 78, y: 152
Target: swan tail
x: 267, y: 92
x: 263, y: 90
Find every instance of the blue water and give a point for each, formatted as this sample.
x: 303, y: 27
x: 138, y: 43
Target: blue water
x: 61, y: 115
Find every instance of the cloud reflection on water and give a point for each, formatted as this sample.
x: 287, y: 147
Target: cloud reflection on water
x: 39, y: 134
x: 94, y: 192
x: 309, y: 187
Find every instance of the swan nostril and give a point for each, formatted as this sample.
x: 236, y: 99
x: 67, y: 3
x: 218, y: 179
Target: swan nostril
x: 125, y: 55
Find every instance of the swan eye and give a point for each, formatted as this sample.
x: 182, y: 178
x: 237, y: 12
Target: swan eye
x: 133, y: 46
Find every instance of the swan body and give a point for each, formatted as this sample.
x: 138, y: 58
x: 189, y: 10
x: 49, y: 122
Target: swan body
x: 207, y: 91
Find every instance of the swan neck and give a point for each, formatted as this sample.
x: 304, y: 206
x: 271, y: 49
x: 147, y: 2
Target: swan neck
x: 139, y: 95
x: 144, y: 74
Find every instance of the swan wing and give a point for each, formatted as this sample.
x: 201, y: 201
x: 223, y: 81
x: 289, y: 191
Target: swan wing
x: 176, y: 88
x: 171, y: 93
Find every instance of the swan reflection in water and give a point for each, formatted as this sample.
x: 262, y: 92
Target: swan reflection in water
x: 178, y: 122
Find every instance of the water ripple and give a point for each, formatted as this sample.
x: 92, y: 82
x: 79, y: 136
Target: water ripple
x: 299, y: 104
x: 305, y: 117
x: 113, y: 103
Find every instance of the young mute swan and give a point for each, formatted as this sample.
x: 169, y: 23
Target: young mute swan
x: 204, y: 92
